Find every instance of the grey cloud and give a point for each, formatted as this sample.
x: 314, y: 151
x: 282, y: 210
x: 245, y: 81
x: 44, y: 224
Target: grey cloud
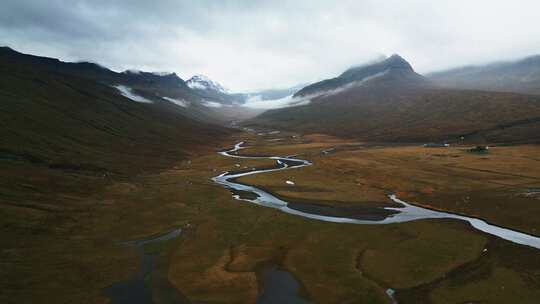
x: 261, y: 44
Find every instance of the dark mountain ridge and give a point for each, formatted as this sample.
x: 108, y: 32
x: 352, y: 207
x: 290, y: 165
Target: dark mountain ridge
x: 70, y: 115
x: 393, y: 71
x: 521, y: 76
x: 162, y: 80
x: 91, y: 71
x: 152, y: 86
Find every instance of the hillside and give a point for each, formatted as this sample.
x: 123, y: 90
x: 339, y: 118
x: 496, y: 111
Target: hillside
x: 71, y: 132
x: 522, y: 76
x: 400, y: 105
x: 69, y: 116
x: 156, y: 87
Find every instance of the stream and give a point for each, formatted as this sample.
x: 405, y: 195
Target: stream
x: 406, y: 212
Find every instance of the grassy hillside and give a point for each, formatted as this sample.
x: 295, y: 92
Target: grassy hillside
x: 369, y: 113
x: 66, y: 136
x: 62, y: 120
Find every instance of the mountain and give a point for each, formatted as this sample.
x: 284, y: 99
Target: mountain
x: 84, y: 117
x: 522, y: 76
x: 388, y: 101
x: 95, y: 72
x: 215, y: 95
x: 156, y: 87
x: 393, y: 71
x: 212, y: 91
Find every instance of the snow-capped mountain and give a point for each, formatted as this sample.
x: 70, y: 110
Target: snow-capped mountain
x: 213, y: 91
x: 201, y: 82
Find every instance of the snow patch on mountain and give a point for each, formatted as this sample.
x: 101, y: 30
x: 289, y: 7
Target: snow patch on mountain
x: 128, y: 93
x: 138, y: 72
x: 162, y: 73
x: 178, y: 102
x: 196, y: 85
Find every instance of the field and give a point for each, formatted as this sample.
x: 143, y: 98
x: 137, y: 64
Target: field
x: 73, y: 254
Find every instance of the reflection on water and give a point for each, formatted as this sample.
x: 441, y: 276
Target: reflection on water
x: 278, y: 286
x: 150, y: 285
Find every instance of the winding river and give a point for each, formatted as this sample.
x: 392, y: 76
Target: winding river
x: 375, y: 215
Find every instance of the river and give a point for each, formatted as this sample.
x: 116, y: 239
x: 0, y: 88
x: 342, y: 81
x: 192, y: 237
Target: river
x: 405, y: 211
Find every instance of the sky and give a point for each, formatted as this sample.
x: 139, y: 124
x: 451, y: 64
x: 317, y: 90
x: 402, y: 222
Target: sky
x: 248, y: 45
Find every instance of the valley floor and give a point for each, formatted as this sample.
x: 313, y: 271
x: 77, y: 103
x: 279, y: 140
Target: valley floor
x: 74, y: 253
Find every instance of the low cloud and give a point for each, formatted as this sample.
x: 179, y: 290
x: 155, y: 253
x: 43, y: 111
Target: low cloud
x: 255, y: 102
x: 249, y: 45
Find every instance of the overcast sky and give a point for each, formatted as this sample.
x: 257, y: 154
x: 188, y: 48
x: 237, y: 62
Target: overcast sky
x: 251, y: 44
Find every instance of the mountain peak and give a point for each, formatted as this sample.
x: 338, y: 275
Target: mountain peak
x: 397, y: 61
x: 393, y: 62
x: 202, y: 82
x: 395, y: 56
x: 393, y: 71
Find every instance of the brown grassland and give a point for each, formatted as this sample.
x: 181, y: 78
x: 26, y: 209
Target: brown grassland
x: 63, y: 256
